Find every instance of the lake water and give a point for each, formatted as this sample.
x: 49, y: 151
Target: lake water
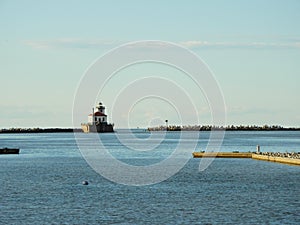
x: 43, y: 185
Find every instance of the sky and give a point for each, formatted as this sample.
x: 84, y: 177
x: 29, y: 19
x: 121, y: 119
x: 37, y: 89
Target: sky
x: 252, y: 48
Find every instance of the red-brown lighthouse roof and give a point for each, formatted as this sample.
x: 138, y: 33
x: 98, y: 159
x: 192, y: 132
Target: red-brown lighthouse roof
x: 98, y: 114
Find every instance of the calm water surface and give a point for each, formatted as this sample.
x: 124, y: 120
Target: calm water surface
x: 42, y: 185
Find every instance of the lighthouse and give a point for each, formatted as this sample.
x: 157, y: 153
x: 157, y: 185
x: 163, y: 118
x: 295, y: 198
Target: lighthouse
x: 98, y: 116
x: 97, y: 121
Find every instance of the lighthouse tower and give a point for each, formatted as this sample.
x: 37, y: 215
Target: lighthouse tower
x: 100, y: 108
x: 97, y: 121
x: 98, y: 116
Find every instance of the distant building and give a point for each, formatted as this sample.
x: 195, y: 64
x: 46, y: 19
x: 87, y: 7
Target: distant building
x: 97, y: 121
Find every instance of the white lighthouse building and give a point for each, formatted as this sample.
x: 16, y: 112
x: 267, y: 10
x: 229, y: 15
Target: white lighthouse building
x: 98, y: 116
x: 97, y: 121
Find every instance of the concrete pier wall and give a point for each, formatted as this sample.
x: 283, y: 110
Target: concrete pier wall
x: 277, y: 159
x: 222, y: 154
x: 286, y: 160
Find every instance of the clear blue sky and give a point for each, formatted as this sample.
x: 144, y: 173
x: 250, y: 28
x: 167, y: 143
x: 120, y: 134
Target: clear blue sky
x: 252, y: 47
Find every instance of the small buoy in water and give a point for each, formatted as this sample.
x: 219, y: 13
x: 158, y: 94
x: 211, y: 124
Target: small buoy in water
x: 85, y: 182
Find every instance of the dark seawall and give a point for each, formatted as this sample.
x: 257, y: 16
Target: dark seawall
x: 39, y: 130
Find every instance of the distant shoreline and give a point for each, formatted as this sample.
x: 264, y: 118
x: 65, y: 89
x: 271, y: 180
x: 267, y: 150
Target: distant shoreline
x: 161, y: 128
x: 39, y: 130
x: 226, y: 128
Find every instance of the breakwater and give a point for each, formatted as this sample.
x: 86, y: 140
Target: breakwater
x: 223, y: 128
x: 222, y: 155
x: 287, y: 158
x: 39, y: 130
